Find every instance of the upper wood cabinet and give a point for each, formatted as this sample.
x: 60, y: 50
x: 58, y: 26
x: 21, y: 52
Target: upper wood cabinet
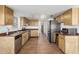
x: 33, y: 22
x: 6, y: 15
x: 23, y: 20
x: 59, y: 18
x: 69, y: 17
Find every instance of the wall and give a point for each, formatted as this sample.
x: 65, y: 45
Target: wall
x: 10, y: 27
x: 14, y: 27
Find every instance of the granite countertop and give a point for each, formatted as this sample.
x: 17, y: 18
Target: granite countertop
x: 12, y: 34
x: 77, y: 34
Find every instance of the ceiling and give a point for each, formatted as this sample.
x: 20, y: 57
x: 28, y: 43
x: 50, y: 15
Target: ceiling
x: 37, y: 10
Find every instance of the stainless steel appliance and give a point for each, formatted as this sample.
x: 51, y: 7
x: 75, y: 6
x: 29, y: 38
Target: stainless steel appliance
x: 72, y: 31
x: 54, y: 26
x: 18, y: 40
x: 65, y: 30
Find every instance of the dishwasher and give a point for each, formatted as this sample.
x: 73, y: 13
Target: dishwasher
x: 18, y: 43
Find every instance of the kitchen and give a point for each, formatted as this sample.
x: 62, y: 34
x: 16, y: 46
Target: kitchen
x: 17, y: 30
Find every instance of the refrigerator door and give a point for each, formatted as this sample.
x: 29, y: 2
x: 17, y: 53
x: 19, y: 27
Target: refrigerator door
x: 54, y: 27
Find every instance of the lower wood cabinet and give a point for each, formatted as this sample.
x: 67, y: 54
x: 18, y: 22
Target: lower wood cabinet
x: 7, y: 45
x: 61, y: 43
x: 34, y: 33
x: 25, y: 37
x: 11, y: 44
x: 72, y: 44
x: 69, y: 44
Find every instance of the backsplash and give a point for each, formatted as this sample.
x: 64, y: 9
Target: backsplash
x: 13, y: 27
x: 70, y: 26
x: 4, y: 28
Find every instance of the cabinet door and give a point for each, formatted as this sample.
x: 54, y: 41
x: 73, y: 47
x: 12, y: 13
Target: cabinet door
x: 75, y: 16
x: 27, y: 35
x: 71, y: 44
x: 24, y: 37
x: 61, y: 43
x: 8, y: 16
x: 34, y: 33
x: 68, y: 17
x: 1, y: 15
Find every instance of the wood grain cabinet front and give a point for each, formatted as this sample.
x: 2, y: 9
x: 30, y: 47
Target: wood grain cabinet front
x: 69, y: 17
x: 69, y: 44
x: 6, y: 15
x: 72, y: 44
x: 59, y: 18
x: 25, y: 37
x: 34, y: 33
x: 23, y: 21
x: 61, y: 43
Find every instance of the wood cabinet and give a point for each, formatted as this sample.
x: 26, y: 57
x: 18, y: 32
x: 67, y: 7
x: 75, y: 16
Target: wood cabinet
x: 69, y: 17
x: 18, y: 44
x: 34, y: 33
x: 69, y: 44
x: 23, y: 21
x: 61, y: 43
x: 72, y: 44
x: 33, y: 22
x: 25, y: 37
x: 6, y: 15
x: 7, y: 45
x: 59, y: 18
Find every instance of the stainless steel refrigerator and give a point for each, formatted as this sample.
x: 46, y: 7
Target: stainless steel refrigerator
x: 53, y: 26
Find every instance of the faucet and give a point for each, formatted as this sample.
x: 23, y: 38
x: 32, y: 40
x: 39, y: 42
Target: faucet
x: 7, y: 31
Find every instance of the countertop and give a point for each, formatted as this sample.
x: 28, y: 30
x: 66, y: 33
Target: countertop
x: 66, y: 34
x: 12, y: 34
x: 32, y: 27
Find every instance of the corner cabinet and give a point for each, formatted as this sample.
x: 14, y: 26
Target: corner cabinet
x: 6, y: 15
x: 69, y: 17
